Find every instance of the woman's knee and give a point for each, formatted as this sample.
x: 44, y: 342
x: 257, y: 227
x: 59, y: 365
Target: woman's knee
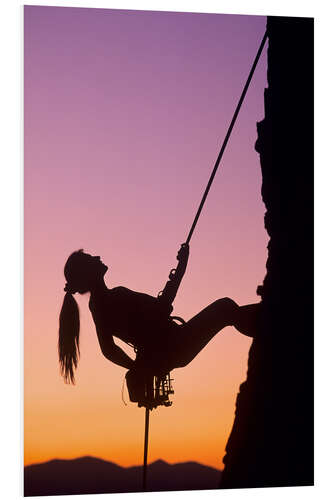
x: 226, y: 309
x: 226, y: 304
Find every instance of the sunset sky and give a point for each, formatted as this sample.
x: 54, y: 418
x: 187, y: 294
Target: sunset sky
x: 125, y: 113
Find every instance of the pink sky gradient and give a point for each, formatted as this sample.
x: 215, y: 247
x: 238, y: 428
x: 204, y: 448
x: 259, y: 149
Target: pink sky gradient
x: 125, y: 113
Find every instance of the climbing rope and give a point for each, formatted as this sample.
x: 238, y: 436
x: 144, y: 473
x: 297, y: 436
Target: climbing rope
x: 202, y: 202
x: 225, y: 142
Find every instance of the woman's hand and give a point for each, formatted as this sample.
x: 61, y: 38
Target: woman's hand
x: 183, y: 253
x: 170, y: 290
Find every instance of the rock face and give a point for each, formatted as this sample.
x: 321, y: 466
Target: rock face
x: 271, y: 443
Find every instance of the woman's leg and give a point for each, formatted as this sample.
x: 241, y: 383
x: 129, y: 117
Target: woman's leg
x: 198, y: 331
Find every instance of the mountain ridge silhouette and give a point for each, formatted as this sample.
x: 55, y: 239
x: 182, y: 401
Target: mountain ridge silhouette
x: 93, y: 475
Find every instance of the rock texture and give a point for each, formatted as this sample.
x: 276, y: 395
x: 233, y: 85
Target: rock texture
x: 271, y: 443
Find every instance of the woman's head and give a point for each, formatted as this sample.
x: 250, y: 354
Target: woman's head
x: 83, y: 273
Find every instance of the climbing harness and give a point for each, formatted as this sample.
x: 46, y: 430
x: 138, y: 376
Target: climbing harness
x: 155, y: 390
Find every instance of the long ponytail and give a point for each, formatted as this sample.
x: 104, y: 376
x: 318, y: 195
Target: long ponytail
x: 68, y: 343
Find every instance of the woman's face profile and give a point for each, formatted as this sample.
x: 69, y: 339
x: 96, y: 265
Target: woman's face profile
x: 84, y: 270
x: 93, y: 265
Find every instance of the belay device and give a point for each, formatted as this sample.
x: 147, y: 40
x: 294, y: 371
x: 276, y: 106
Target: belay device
x: 151, y: 391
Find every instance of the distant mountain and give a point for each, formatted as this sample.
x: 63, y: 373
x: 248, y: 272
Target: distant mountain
x: 89, y: 475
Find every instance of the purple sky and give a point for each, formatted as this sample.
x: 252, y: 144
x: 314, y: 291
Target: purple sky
x: 125, y: 113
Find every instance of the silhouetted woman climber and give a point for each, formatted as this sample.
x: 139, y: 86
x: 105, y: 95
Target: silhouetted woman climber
x: 141, y: 320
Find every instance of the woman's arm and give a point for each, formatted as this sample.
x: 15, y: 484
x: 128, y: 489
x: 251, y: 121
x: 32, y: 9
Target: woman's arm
x: 169, y: 292
x: 115, y: 354
x: 112, y: 351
